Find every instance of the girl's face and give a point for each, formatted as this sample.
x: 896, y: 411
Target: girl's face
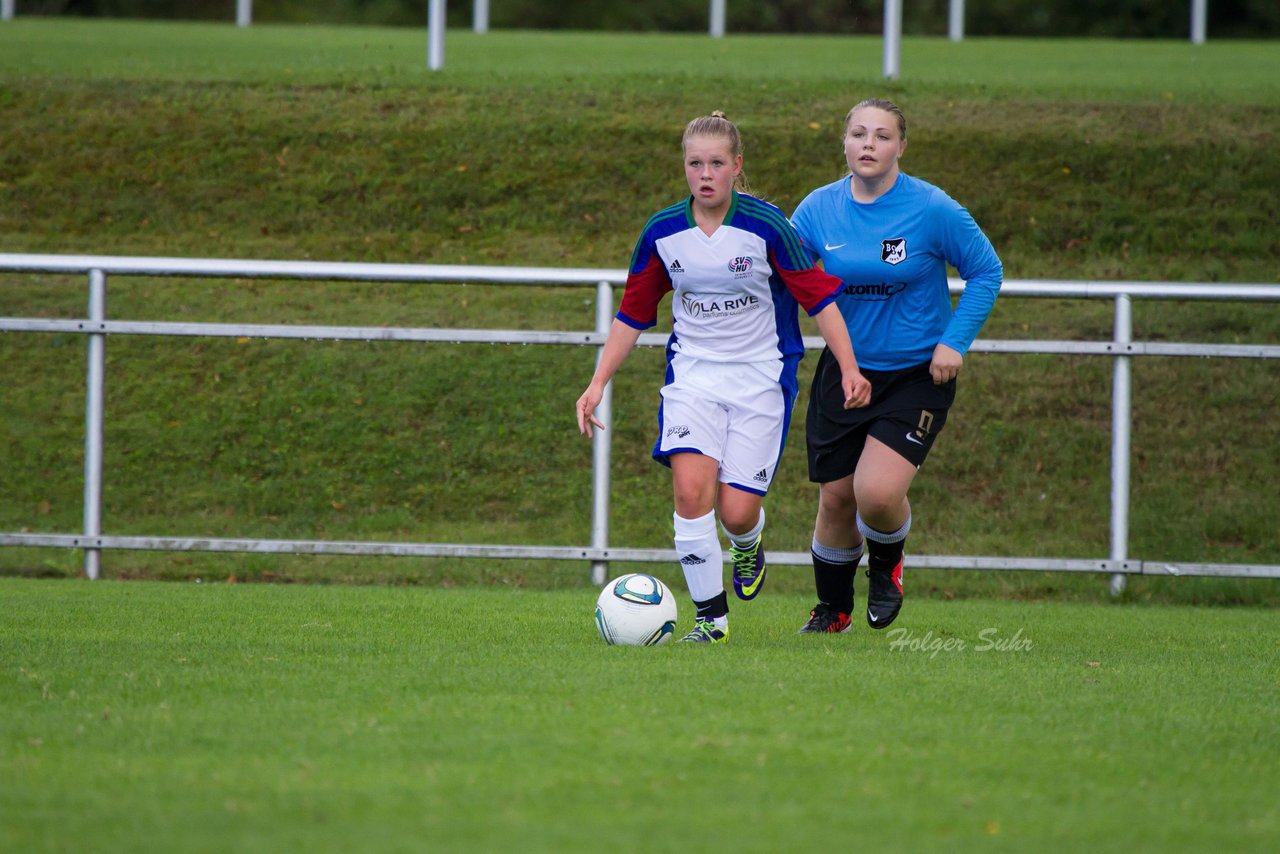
x: 710, y: 170
x: 872, y: 144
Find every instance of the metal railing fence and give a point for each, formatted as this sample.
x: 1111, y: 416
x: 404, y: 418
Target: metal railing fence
x: 96, y: 327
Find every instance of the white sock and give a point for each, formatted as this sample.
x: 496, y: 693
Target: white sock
x: 748, y: 539
x: 833, y: 555
x: 701, y: 558
x: 885, y: 536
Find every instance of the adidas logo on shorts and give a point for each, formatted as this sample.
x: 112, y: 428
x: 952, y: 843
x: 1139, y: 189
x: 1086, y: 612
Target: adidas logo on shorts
x: 761, y: 476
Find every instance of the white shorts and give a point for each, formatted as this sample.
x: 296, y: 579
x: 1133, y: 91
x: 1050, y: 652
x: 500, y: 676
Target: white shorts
x: 736, y: 412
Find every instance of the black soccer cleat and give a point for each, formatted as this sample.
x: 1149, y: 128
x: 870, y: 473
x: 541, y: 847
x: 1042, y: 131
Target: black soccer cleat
x: 884, y: 598
x: 825, y: 619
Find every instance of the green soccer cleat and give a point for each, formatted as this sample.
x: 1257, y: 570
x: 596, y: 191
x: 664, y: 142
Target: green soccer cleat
x: 705, y: 631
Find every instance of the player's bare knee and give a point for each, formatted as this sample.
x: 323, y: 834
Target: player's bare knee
x: 879, y: 505
x: 739, y: 521
x: 692, y: 505
x: 837, y: 502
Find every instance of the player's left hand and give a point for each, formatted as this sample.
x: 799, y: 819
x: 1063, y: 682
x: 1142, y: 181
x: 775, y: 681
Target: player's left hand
x: 945, y: 365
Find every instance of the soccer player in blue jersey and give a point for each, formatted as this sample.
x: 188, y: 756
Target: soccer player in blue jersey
x: 889, y: 237
x: 736, y: 270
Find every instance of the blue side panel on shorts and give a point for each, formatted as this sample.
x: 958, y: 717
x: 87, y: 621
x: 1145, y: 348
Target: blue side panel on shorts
x: 667, y: 379
x: 789, y: 392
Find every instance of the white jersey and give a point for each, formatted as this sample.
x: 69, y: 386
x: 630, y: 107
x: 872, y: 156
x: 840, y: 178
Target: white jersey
x: 735, y: 292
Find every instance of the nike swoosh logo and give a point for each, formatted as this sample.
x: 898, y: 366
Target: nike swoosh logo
x: 911, y: 437
x: 830, y: 248
x: 873, y: 617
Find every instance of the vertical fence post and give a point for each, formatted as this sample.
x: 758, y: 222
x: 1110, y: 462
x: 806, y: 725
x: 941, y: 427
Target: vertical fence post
x: 1121, y: 423
x: 93, y: 417
x: 955, y: 20
x: 716, y: 23
x: 435, y: 34
x: 480, y: 17
x: 6, y: 10
x: 244, y: 13
x: 892, y: 38
x: 1198, y: 8
x: 600, y: 446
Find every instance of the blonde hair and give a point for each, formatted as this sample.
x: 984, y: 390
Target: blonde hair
x: 880, y: 104
x: 718, y: 126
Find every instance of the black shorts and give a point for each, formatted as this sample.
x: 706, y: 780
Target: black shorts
x: 906, y: 412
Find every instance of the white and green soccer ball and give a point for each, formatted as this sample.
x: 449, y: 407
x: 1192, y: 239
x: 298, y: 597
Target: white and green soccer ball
x: 636, y: 610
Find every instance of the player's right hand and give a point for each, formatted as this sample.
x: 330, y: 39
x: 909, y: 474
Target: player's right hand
x: 857, y: 390
x: 586, y: 409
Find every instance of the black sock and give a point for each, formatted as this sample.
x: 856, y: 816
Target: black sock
x: 716, y: 606
x: 884, y: 548
x: 883, y: 557
x: 833, y: 579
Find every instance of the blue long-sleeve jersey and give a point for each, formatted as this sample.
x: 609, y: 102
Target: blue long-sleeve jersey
x: 892, y: 256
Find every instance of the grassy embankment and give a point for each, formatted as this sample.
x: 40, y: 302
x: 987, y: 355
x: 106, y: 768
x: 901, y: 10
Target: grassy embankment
x: 1135, y: 161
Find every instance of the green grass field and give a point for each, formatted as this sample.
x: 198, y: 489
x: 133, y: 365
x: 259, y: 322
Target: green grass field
x: 165, y: 717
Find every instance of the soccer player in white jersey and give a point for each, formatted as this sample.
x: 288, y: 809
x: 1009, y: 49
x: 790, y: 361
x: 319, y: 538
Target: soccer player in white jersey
x: 889, y: 237
x: 736, y: 270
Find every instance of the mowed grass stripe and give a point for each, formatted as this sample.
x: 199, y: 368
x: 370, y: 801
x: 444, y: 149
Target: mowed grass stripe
x: 154, y: 716
x: 1217, y: 72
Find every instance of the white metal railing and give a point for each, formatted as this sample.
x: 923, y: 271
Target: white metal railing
x: 96, y: 327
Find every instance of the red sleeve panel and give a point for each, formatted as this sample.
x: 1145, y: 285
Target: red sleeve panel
x: 647, y: 284
x: 811, y: 287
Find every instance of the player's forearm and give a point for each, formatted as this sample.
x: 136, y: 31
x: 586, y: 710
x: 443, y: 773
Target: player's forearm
x: 621, y: 341
x: 834, y: 331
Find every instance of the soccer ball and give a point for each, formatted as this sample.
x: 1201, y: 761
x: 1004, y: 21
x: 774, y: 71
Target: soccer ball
x: 636, y: 610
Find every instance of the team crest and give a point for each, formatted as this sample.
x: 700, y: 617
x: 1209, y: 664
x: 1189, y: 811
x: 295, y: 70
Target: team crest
x: 893, y: 251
